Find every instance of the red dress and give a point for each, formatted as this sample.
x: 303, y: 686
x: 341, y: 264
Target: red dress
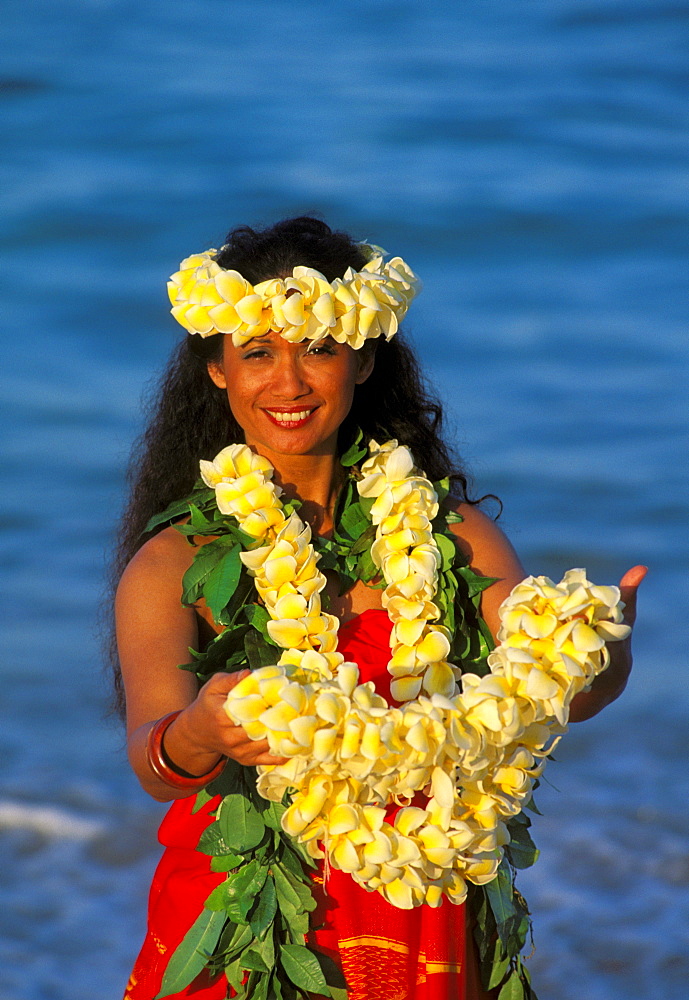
x: 385, y: 953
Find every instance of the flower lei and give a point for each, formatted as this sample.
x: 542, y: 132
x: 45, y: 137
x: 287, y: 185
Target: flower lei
x: 208, y: 299
x: 474, y: 745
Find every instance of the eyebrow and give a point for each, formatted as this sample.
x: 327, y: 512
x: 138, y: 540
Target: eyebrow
x: 265, y: 338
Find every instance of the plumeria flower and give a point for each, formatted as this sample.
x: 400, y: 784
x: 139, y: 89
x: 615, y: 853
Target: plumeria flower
x: 475, y: 755
x: 208, y: 299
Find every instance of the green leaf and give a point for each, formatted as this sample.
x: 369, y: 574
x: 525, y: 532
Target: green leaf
x: 271, y: 813
x: 301, y: 885
x: 235, y: 974
x: 203, y: 565
x: 229, y: 781
x: 363, y: 544
x: 332, y: 973
x: 501, y: 963
x: 262, y: 913
x: 240, y: 822
x: 288, y: 900
x: 531, y: 805
x: 237, y: 893
x: 265, y: 946
x: 276, y: 987
x: 355, y: 452
x: 366, y: 567
x: 448, y: 550
x: 217, y: 653
x: 484, y: 931
x: 476, y: 584
x: 226, y: 862
x: 212, y: 842
x: 500, y: 893
x: 179, y: 508
x: 299, y: 928
x: 252, y: 960
x: 217, y: 898
x: 513, y: 988
x: 222, y: 581
x: 301, y: 965
x: 192, y: 954
x: 233, y: 941
x: 302, y: 854
x: 442, y: 488
x: 200, y: 799
x: 366, y: 503
x: 521, y: 850
x: 257, y: 988
x: 293, y: 863
x: 198, y: 519
x: 354, y: 521
x: 258, y: 618
x: 259, y: 653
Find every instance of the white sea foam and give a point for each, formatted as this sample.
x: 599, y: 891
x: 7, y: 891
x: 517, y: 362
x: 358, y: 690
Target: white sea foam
x: 48, y: 820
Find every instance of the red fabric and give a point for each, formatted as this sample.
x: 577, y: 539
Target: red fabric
x: 384, y: 952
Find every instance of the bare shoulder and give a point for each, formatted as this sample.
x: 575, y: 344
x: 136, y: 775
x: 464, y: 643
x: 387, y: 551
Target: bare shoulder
x: 485, y: 544
x: 490, y: 553
x: 163, y: 558
x: 153, y: 577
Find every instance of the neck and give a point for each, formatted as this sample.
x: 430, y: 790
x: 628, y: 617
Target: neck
x: 313, y: 479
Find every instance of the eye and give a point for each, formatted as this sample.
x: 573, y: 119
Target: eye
x: 322, y: 347
x: 255, y: 352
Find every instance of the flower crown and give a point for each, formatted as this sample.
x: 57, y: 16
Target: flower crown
x: 207, y: 299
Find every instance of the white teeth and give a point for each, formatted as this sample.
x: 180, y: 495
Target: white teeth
x: 286, y: 418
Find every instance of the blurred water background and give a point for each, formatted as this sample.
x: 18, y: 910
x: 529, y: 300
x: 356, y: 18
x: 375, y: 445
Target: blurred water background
x: 530, y: 161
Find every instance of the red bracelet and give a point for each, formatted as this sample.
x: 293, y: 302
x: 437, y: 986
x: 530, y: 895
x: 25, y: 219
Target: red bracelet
x: 162, y: 766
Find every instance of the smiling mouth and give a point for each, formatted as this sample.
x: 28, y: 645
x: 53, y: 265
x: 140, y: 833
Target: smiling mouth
x: 290, y: 418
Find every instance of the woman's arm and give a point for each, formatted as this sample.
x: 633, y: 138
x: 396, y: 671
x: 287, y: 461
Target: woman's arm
x: 154, y: 633
x: 491, y: 554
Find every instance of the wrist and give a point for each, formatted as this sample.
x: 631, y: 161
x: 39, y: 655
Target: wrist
x: 167, y: 770
x: 182, y: 744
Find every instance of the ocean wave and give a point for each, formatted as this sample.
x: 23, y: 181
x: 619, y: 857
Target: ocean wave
x: 48, y: 821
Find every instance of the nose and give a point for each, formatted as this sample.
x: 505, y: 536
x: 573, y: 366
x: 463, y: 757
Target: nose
x: 290, y: 380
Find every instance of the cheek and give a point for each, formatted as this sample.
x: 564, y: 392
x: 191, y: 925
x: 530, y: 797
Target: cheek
x: 341, y: 389
x: 240, y: 382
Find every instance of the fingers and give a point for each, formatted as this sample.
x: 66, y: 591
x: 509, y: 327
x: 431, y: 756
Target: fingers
x: 222, y: 683
x: 268, y: 758
x: 629, y: 585
x: 246, y: 751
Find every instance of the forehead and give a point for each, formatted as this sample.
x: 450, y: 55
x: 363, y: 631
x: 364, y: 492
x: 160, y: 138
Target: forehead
x: 275, y: 339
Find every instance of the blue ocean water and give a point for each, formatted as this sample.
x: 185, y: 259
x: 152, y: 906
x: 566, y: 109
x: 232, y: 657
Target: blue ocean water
x: 530, y: 161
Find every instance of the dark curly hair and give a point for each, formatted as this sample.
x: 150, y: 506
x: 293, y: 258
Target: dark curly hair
x: 190, y: 418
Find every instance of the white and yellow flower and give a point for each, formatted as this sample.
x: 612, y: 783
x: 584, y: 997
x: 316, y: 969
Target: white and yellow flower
x: 207, y: 299
x: 474, y: 753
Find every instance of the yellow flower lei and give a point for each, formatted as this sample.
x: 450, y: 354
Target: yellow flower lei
x: 475, y: 751
x: 208, y: 299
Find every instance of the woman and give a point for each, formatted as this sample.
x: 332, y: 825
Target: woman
x: 297, y: 402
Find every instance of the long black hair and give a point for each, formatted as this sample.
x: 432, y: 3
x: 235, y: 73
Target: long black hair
x: 190, y: 417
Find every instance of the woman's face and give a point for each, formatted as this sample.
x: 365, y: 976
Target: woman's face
x: 290, y: 399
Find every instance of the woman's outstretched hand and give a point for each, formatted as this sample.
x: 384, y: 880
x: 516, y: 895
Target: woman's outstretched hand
x: 611, y: 683
x: 629, y: 585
